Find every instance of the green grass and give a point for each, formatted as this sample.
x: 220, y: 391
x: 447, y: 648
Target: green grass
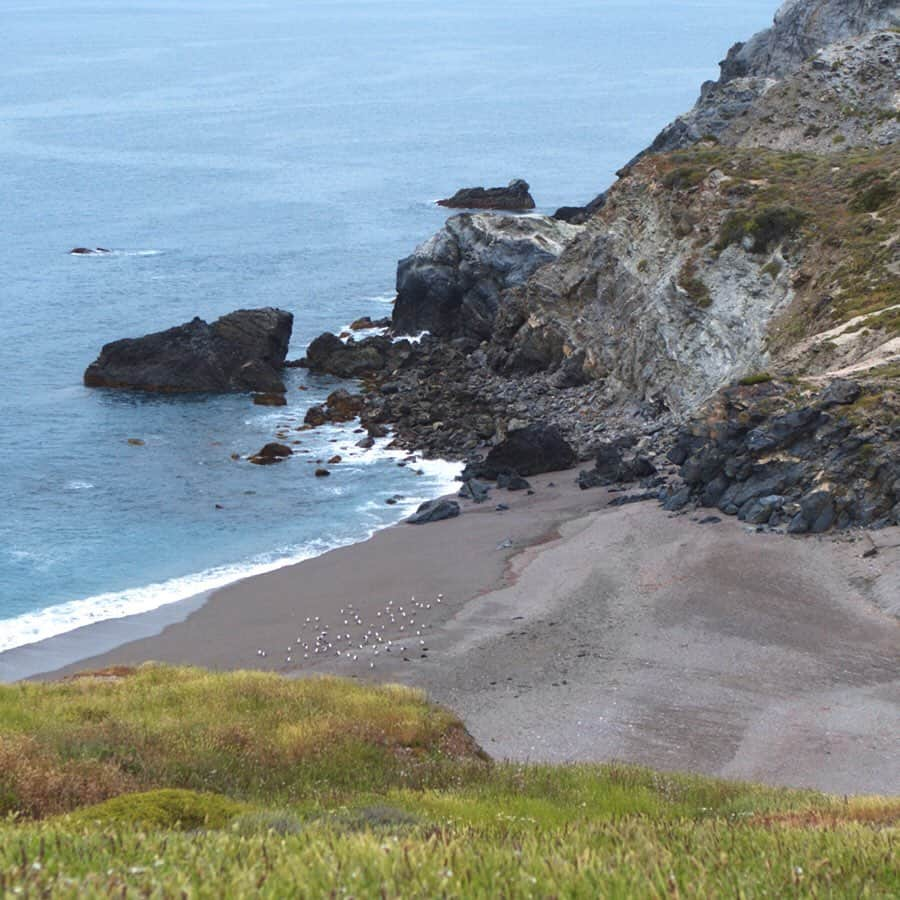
x: 756, y: 378
x: 411, y: 808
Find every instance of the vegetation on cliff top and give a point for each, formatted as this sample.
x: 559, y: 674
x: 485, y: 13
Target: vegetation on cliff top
x: 177, y: 782
x: 835, y: 217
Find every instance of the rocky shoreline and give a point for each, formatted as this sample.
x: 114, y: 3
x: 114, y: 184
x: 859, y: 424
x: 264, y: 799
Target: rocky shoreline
x: 719, y: 330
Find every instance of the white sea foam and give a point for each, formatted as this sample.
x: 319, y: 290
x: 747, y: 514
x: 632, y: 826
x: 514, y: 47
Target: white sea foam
x: 412, y: 338
x: 55, y: 620
x: 78, y: 485
x: 387, y: 297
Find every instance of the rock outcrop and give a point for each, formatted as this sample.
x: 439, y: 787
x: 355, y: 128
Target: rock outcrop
x: 242, y: 351
x: 759, y: 249
x: 451, y: 285
x: 515, y: 196
x: 805, y: 459
x: 751, y: 69
x: 329, y: 355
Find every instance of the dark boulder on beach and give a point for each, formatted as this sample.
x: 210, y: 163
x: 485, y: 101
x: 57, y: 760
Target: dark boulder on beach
x: 434, y: 511
x: 242, y: 351
x: 515, y: 196
x: 528, y: 451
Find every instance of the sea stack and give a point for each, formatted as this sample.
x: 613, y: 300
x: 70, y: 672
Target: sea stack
x: 242, y: 351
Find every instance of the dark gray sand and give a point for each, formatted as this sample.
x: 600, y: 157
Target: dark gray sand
x: 568, y: 631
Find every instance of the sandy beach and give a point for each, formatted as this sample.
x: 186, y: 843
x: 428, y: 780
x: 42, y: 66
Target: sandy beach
x: 563, y: 629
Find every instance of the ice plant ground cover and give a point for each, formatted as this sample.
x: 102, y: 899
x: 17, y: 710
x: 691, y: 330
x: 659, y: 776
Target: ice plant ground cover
x: 168, y: 781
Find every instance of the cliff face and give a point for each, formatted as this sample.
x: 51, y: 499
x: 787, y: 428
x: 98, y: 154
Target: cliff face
x: 801, y: 28
x: 710, y: 264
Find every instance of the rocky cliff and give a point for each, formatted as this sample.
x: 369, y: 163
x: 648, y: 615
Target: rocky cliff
x: 451, y: 285
x: 801, y: 28
x: 757, y: 241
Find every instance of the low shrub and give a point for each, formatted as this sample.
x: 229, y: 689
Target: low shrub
x: 160, y: 810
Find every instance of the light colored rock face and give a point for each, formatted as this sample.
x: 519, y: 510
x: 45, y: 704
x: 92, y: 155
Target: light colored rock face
x: 451, y: 285
x: 801, y: 28
x: 847, y: 95
x: 659, y: 320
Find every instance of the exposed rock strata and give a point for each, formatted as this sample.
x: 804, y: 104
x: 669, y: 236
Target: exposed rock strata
x: 242, y: 351
x: 775, y: 454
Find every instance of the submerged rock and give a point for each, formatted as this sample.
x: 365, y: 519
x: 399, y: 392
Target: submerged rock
x: 89, y: 251
x: 242, y: 351
x: 271, y: 453
x: 275, y: 399
x: 514, y: 196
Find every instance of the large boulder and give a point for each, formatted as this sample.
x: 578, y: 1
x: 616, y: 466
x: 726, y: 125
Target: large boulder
x: 529, y: 451
x: 329, y: 355
x: 434, y: 511
x: 451, y: 285
x: 242, y: 351
x: 514, y: 196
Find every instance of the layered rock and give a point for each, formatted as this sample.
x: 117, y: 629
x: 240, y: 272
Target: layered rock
x: 242, y: 351
x: 515, y: 196
x: 451, y: 286
x: 806, y: 459
x: 750, y: 69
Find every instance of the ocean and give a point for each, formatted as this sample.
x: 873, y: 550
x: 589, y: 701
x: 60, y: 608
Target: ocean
x: 268, y: 153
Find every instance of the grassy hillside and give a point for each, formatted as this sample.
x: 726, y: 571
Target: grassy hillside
x: 177, y: 782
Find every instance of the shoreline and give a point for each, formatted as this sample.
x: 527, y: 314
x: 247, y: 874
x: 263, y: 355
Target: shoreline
x: 105, y: 634
x: 568, y: 630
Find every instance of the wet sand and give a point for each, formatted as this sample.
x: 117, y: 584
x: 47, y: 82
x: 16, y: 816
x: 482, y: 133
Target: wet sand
x: 568, y: 630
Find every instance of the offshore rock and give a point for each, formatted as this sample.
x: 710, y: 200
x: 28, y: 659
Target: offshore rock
x: 514, y: 196
x: 451, y: 286
x: 242, y: 351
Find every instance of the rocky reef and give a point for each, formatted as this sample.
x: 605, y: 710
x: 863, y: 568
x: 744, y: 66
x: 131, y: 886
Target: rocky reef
x: 515, y: 196
x: 241, y: 351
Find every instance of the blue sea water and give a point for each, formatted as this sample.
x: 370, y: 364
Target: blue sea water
x: 274, y: 152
